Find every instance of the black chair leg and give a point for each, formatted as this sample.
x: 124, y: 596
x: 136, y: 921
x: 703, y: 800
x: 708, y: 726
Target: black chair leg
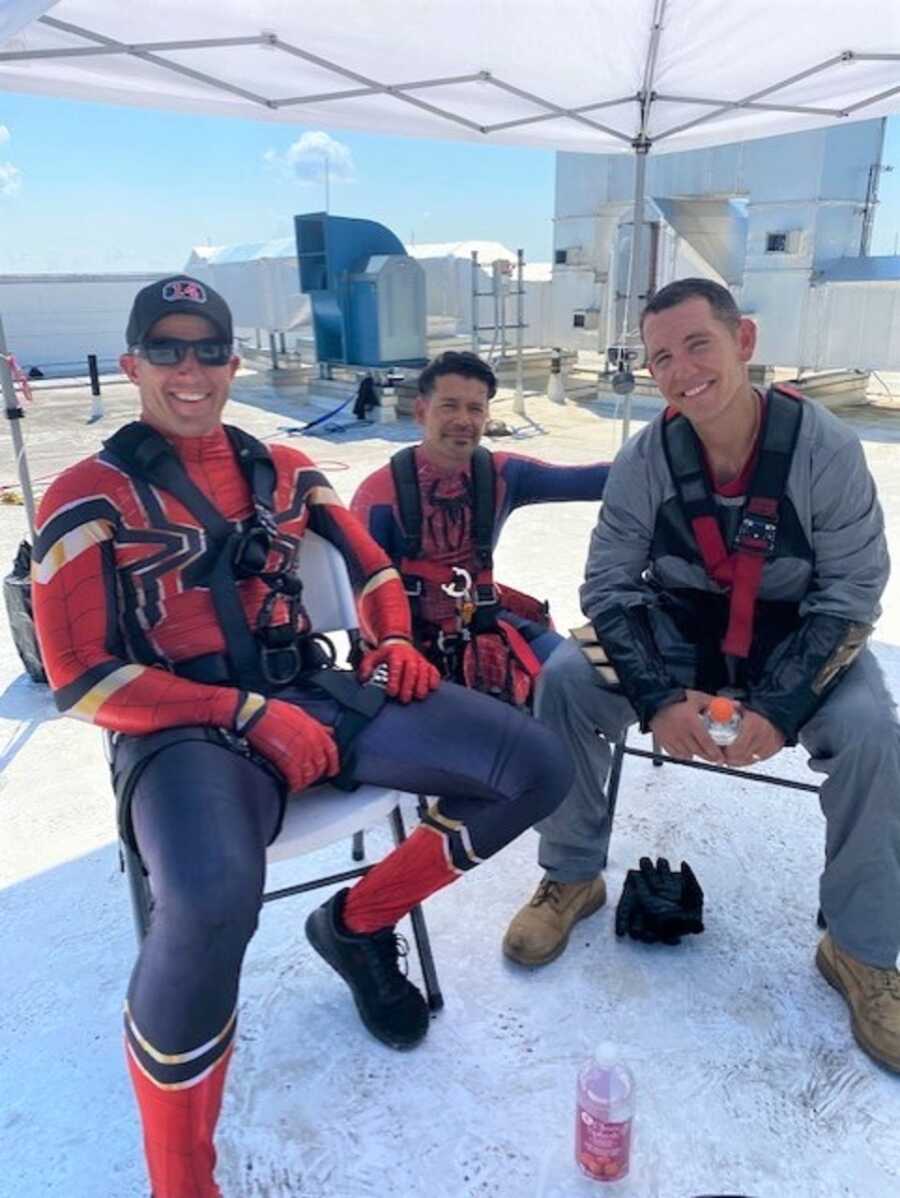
x: 359, y: 846
x: 657, y: 757
x: 615, y: 776
x: 420, y: 930
x: 139, y: 889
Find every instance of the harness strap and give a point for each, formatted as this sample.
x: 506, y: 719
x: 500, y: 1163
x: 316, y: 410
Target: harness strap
x: 484, y: 505
x: 409, y: 502
x: 436, y: 572
x: 256, y: 463
x: 359, y: 703
x: 520, y: 648
x: 145, y: 453
x: 415, y: 574
x: 242, y: 646
x: 741, y: 571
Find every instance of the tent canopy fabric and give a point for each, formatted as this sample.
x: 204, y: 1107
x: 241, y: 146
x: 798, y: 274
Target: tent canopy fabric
x: 561, y: 74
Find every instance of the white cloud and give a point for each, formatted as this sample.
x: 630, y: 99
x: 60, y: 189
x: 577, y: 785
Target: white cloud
x: 305, y: 159
x: 10, y: 179
x: 4, y: 134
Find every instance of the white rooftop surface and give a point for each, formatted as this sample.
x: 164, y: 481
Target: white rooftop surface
x: 748, y: 1081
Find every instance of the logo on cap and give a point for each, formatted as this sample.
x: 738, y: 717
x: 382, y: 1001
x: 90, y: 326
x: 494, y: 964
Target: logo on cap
x: 184, y: 289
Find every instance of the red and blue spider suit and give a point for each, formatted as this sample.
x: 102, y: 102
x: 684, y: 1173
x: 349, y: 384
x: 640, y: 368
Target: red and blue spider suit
x: 453, y: 531
x: 128, y: 608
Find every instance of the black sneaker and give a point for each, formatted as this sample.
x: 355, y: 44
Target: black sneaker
x: 388, y: 1003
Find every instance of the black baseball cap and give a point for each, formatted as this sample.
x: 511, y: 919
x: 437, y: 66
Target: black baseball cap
x: 178, y: 293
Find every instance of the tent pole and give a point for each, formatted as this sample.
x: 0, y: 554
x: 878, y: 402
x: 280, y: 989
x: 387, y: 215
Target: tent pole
x: 640, y: 188
x: 633, y: 302
x: 641, y: 145
x: 519, y: 397
x: 474, y: 301
x: 14, y: 414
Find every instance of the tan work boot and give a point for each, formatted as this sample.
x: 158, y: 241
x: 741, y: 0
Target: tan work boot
x: 540, y: 931
x: 873, y: 996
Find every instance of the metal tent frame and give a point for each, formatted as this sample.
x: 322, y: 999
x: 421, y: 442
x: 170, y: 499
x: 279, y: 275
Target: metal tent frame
x: 640, y: 139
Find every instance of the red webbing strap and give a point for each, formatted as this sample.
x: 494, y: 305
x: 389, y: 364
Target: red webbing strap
x: 748, y: 561
x: 748, y: 571
x: 437, y: 572
x: 520, y: 649
x: 716, y: 559
x: 741, y: 571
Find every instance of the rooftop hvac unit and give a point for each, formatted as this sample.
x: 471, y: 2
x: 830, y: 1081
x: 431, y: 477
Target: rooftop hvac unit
x: 367, y: 295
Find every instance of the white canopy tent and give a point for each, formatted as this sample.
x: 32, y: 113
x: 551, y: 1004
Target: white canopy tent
x: 561, y: 74
x: 552, y: 73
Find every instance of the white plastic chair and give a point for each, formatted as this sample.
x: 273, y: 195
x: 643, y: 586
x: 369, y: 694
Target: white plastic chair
x: 323, y: 814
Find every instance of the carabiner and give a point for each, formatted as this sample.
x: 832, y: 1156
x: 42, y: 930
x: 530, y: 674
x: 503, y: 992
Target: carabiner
x: 461, y: 585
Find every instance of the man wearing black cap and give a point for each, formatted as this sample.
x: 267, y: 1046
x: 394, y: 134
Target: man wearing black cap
x: 169, y: 612
x: 164, y: 318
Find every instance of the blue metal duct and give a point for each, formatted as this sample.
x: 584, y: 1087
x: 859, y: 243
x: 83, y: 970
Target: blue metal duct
x: 367, y: 294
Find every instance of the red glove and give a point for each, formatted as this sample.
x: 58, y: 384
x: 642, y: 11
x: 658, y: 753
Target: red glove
x: 410, y: 675
x: 300, y: 748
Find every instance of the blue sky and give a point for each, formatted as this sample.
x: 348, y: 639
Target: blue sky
x: 97, y: 187
x: 113, y: 188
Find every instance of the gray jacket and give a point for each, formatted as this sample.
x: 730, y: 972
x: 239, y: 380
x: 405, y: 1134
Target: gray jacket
x: 830, y: 558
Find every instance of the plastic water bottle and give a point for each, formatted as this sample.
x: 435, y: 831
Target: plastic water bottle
x: 603, y: 1113
x: 722, y: 720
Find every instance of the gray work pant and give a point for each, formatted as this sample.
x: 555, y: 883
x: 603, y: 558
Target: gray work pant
x: 854, y: 739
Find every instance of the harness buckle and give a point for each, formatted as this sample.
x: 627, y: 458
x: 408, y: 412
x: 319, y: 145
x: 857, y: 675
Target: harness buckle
x: 280, y: 664
x: 486, y: 595
x: 449, y: 642
x: 756, y: 535
x: 251, y: 551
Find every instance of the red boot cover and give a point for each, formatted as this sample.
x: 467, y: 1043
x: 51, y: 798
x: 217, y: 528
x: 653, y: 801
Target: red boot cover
x: 178, y: 1127
x: 416, y: 868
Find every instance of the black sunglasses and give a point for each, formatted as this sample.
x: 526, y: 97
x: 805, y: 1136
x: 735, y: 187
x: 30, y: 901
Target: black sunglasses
x: 172, y: 351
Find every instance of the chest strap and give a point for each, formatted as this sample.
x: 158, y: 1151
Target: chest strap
x: 409, y: 503
x: 144, y: 453
x: 739, y: 572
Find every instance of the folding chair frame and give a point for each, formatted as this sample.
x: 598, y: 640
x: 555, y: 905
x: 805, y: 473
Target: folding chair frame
x: 328, y: 597
x: 142, y: 900
x: 657, y: 757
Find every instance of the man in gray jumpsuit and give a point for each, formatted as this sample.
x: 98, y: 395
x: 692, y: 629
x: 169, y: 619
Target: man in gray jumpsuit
x: 671, y: 630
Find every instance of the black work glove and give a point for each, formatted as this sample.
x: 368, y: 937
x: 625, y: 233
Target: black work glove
x: 657, y: 904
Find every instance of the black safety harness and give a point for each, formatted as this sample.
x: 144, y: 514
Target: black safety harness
x: 271, y: 656
x: 739, y: 571
x: 479, y: 600
x: 417, y: 573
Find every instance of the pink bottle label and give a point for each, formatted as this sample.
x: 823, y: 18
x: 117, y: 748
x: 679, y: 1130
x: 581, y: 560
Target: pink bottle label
x: 602, y: 1149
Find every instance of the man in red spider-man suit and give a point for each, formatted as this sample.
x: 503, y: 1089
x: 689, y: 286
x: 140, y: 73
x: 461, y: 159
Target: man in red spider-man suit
x: 168, y: 612
x: 437, y: 510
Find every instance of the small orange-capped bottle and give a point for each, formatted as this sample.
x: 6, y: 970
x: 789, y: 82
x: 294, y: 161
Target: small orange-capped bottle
x: 723, y: 720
